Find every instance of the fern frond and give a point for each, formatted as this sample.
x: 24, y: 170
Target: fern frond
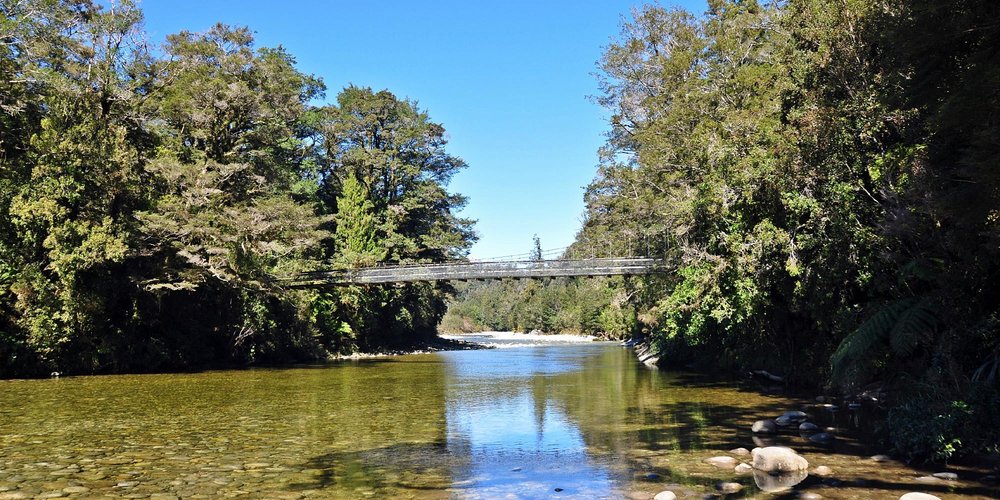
x: 855, y: 357
x: 914, y: 326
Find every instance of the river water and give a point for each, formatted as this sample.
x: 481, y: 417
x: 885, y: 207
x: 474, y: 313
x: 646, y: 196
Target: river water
x: 531, y: 419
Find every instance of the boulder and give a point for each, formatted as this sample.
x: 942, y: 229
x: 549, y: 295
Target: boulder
x: 777, y: 459
x: 918, y: 496
x: 764, y: 427
x: 772, y: 483
x: 665, y: 495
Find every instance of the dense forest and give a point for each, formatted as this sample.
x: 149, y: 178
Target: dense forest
x: 150, y: 194
x: 823, y: 180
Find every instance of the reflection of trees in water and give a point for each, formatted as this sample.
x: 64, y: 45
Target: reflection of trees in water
x: 640, y: 416
x: 383, y: 425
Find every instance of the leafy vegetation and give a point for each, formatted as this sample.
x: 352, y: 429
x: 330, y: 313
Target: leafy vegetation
x: 821, y: 178
x: 148, y: 199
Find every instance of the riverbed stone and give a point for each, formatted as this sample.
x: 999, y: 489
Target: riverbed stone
x: 740, y: 452
x: 823, y: 470
x: 728, y: 487
x: 665, y: 495
x: 778, y: 459
x: 743, y: 469
x: 75, y: 489
x: 881, y: 458
x: 764, y: 427
x: 808, y: 495
x: 808, y: 427
x: 822, y: 438
x: 722, y: 462
x: 948, y: 476
x: 916, y: 495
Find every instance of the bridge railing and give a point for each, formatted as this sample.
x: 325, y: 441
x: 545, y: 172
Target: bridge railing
x: 478, y: 270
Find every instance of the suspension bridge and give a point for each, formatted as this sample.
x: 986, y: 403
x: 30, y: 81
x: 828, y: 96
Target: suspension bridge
x: 476, y: 270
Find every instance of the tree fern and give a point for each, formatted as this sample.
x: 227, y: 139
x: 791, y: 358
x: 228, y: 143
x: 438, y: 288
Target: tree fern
x: 899, y: 327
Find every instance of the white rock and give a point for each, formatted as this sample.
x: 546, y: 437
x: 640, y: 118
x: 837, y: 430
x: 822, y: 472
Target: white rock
x: 950, y: 476
x: 822, y: 470
x: 778, y: 459
x: 918, y: 496
x: 743, y: 469
x: 740, y: 452
x: 665, y: 495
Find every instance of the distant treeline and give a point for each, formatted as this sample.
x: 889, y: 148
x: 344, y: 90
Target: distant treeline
x: 149, y: 196
x: 562, y: 305
x: 823, y: 179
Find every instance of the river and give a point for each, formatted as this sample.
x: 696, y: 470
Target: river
x: 529, y: 419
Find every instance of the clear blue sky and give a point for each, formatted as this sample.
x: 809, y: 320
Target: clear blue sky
x: 509, y: 80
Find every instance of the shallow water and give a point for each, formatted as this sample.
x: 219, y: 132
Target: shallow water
x: 583, y: 418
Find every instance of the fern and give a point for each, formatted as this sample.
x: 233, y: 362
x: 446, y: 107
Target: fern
x: 901, y: 326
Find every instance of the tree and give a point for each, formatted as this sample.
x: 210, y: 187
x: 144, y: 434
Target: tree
x: 357, y: 235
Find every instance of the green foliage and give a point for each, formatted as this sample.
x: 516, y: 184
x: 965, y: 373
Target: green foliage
x: 821, y: 180
x: 147, y: 201
x: 899, y: 328
x: 563, y: 305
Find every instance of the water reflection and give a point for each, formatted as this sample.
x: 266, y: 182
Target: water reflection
x: 585, y: 418
x: 501, y: 415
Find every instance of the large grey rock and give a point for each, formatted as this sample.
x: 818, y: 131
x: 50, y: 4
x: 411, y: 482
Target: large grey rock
x: 778, y: 459
x: 772, y: 483
x: 764, y: 427
x: 918, y: 496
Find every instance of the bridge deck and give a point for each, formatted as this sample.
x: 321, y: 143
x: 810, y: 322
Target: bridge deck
x: 477, y: 270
